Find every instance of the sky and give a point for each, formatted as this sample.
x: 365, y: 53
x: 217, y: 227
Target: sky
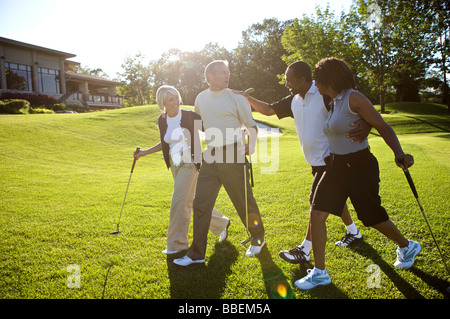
x: 102, y: 33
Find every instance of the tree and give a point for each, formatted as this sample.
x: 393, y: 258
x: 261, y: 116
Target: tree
x: 322, y: 35
x: 437, y: 12
x: 258, y: 60
x: 138, y: 89
x: 94, y: 72
x: 395, y: 54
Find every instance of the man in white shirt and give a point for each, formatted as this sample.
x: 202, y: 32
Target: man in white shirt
x: 224, y: 163
x: 309, y: 110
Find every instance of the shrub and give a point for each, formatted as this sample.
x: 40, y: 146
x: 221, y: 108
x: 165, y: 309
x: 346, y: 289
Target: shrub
x: 35, y: 99
x: 14, y: 106
x: 40, y: 110
x: 58, y: 107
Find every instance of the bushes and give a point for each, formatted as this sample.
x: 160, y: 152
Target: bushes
x: 14, y: 106
x: 35, y: 99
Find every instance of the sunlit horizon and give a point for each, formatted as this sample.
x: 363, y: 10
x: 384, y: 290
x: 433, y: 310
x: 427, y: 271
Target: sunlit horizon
x: 103, y: 33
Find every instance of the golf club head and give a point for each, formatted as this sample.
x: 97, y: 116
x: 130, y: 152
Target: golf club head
x: 115, y: 232
x: 246, y: 241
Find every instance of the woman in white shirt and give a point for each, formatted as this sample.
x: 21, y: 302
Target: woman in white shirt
x: 181, y: 147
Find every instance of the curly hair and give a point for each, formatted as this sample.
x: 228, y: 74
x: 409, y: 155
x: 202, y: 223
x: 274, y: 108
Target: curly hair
x: 335, y: 73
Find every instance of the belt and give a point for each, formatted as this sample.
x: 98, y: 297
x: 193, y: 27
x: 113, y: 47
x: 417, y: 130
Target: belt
x: 354, y: 155
x: 224, y: 148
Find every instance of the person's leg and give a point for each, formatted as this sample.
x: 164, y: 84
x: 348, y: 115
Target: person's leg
x: 367, y: 202
x: 388, y: 229
x: 219, y: 222
x: 207, y: 190
x: 233, y: 178
x: 180, y: 207
x: 318, y: 275
x: 329, y: 197
x: 352, y: 234
x: 319, y: 237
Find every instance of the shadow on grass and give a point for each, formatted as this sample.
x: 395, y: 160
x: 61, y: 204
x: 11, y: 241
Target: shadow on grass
x: 443, y: 124
x: 366, y: 250
x: 199, y: 281
x: 277, y: 286
x: 439, y: 284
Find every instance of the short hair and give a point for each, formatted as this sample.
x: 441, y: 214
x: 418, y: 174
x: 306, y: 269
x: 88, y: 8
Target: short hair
x: 301, y: 70
x: 161, y: 95
x: 211, y: 67
x: 335, y: 73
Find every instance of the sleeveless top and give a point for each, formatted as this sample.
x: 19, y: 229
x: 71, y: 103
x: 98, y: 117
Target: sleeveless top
x: 338, y: 124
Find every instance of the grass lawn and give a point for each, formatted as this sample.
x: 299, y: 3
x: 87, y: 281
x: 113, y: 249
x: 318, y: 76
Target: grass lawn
x: 63, y: 180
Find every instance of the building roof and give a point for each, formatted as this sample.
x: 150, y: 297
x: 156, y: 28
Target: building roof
x: 35, y: 47
x: 71, y: 75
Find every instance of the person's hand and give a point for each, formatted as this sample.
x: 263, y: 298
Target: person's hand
x: 360, y: 132
x: 245, y: 93
x: 137, y: 154
x: 404, y: 161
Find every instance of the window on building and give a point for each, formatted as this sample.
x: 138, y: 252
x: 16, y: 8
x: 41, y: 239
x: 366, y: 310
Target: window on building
x: 49, y: 80
x: 18, y: 77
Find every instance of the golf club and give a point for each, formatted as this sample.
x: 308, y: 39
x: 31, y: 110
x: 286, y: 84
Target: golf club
x: 244, y: 242
x: 416, y: 195
x: 123, y: 203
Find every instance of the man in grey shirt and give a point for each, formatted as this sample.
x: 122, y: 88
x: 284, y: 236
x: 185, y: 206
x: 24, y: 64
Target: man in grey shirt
x: 223, y: 113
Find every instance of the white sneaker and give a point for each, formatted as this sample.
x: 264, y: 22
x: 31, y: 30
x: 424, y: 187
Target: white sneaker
x: 313, y: 279
x: 405, y: 256
x: 186, y: 261
x: 349, y: 239
x: 254, y: 250
x: 170, y: 252
x: 224, y: 234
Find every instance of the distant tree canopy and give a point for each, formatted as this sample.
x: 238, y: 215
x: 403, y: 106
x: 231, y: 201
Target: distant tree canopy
x: 398, y: 50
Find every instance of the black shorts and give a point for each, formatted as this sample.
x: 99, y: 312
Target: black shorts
x: 317, y: 172
x: 355, y: 176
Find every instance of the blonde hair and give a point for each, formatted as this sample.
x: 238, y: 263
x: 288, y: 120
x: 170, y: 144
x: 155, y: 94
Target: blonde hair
x: 161, y: 95
x: 211, y: 67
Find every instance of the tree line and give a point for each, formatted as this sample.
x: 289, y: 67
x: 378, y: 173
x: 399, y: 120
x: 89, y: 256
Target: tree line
x: 398, y: 51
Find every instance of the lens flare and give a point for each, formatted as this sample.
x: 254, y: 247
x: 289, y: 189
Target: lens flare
x: 189, y: 64
x: 259, y: 241
x: 253, y: 220
x: 282, y: 291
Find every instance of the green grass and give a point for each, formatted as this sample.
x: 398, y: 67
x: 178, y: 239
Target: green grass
x: 64, y: 176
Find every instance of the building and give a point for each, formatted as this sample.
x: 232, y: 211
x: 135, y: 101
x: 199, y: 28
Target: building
x: 27, y: 68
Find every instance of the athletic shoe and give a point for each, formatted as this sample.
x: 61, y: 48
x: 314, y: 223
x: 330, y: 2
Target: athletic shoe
x: 405, y: 256
x: 186, y: 261
x: 170, y: 252
x: 224, y: 234
x: 313, y: 279
x: 295, y: 255
x: 254, y: 250
x: 349, y: 239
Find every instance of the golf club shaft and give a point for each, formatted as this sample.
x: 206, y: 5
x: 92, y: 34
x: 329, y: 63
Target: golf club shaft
x: 128, y: 185
x: 416, y: 195
x: 251, y: 170
x: 246, y: 198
